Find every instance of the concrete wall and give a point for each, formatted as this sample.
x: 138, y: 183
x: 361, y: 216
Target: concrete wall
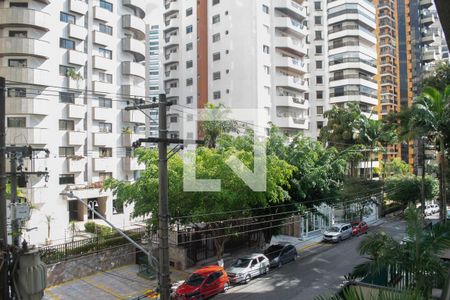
x: 90, y: 264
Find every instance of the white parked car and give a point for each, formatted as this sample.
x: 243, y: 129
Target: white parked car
x: 247, y: 267
x: 338, y: 232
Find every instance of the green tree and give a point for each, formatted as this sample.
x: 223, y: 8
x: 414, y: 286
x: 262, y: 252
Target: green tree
x: 394, y: 167
x: 406, y: 189
x: 215, y: 124
x: 417, y: 255
x: 430, y: 116
x: 439, y: 78
x: 355, y: 293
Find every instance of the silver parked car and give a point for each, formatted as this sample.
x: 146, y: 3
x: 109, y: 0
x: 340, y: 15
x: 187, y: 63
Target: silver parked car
x: 247, y: 267
x: 338, y: 232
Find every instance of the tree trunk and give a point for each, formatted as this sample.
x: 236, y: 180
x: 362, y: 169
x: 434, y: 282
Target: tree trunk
x: 443, y: 182
x: 371, y: 164
x: 219, y: 244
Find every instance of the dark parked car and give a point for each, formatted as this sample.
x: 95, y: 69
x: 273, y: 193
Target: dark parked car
x: 279, y: 254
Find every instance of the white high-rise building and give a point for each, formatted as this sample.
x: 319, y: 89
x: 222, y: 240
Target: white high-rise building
x: 71, y: 66
x: 342, y: 56
x: 154, y: 74
x: 243, y: 54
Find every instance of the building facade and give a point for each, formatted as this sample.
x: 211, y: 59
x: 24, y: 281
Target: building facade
x: 71, y: 68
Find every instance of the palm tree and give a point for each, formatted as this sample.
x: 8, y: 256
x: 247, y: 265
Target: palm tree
x: 430, y: 117
x: 354, y: 293
x: 214, y: 124
x: 416, y: 257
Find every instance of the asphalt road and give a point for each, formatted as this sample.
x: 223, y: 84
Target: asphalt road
x: 320, y: 271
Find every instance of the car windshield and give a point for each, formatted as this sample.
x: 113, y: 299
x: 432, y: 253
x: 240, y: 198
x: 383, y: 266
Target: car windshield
x: 334, y: 229
x: 273, y: 251
x: 195, y: 279
x: 241, y: 263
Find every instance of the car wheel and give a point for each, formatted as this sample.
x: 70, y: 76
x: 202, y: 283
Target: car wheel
x: 247, y: 278
x: 339, y: 239
x: 226, y: 286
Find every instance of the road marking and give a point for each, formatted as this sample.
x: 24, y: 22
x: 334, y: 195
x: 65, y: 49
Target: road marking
x: 53, y: 296
x: 104, y: 288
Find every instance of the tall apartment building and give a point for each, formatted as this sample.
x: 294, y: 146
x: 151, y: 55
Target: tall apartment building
x: 154, y: 74
x: 243, y: 54
x: 71, y: 66
x: 343, y: 57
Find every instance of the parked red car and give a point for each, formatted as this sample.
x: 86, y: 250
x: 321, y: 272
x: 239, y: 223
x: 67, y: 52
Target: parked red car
x: 359, y: 228
x: 203, y: 283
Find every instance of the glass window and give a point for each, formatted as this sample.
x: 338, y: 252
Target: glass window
x: 67, y: 179
x: 319, y: 125
x: 189, y: 11
x: 106, y: 53
x: 17, y: 92
x: 66, y: 151
x: 319, y: 94
x: 265, y: 9
x: 17, y: 63
x: 104, y: 152
x: 16, y: 122
x: 105, y: 127
x: 189, y: 29
x: 266, y: 49
x: 189, y: 82
x: 318, y: 49
x: 318, y: 64
x: 67, y: 44
x: 216, y: 56
x: 63, y: 70
x: 317, y: 5
x: 216, y: 37
x: 318, y: 35
x: 66, y: 125
x: 117, y: 207
x: 105, y: 102
x: 17, y: 33
x: 106, y: 5
x: 65, y: 97
x: 216, y: 75
x: 189, y: 99
x: 216, y: 19
x: 102, y: 176
x: 173, y: 119
x: 214, y: 2
x: 105, y: 77
x: 189, y: 46
x: 67, y: 18
x: 18, y: 4
x: 319, y: 110
x: 216, y: 95
x: 319, y: 79
x: 317, y: 20
x: 189, y: 64
x: 106, y: 29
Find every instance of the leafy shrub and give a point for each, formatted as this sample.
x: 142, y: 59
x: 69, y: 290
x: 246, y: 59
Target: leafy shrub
x: 101, y: 230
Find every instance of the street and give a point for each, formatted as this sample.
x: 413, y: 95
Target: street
x: 320, y: 271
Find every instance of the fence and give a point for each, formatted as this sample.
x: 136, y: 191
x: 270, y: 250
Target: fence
x: 61, y: 252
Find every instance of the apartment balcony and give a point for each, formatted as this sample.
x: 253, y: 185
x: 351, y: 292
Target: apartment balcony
x: 131, y: 116
x: 137, y: 6
x: 172, y: 74
x: 102, y: 114
x: 129, y: 90
x: 73, y: 84
x: 429, y: 38
x: 102, y: 14
x: 131, y: 164
x: 104, y: 139
x: 77, y: 32
x: 173, y: 92
x: 15, y: 46
x: 171, y: 6
x: 78, y: 6
x: 27, y: 106
x: 291, y: 26
x: 427, y: 20
x: 102, y: 63
x: 429, y: 55
x: 101, y: 38
x: 354, y: 79
x: 105, y: 164
x: 354, y: 63
x: 172, y: 58
x: 426, y: 3
x: 26, y: 75
x: 292, y: 82
x: 290, y: 101
x: 135, y: 47
x: 172, y: 23
x: 291, y: 8
x: 353, y: 30
x: 354, y: 96
x: 76, y: 111
x: 27, y: 136
x: 291, y: 45
x: 129, y: 138
x: 291, y: 122
x: 76, y: 165
x: 134, y: 24
x: 76, y: 138
x: 76, y: 57
x: 101, y: 87
x: 133, y: 69
x: 171, y: 40
x: 291, y: 64
x: 24, y: 17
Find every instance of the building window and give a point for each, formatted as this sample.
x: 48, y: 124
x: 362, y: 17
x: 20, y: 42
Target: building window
x: 319, y: 125
x: 319, y: 80
x: 105, y: 127
x: 189, y: 46
x: 318, y: 20
x: 317, y: 6
x: 105, y: 102
x: 17, y: 92
x: 216, y: 19
x: 105, y: 53
x: 66, y: 151
x: 216, y: 95
x: 17, y: 122
x: 17, y: 63
x: 67, y: 179
x: 189, y: 29
x: 189, y: 99
x: 319, y: 110
x: 104, y: 152
x: 266, y: 49
x: 117, y: 207
x: 66, y: 125
x: 216, y: 56
x: 105, y: 77
x: 18, y: 34
x: 67, y: 18
x: 63, y: 70
x: 65, y: 97
x: 102, y: 176
x: 318, y: 35
x: 319, y: 94
x: 216, y: 37
x: 265, y: 9
x: 18, y: 4
x: 318, y: 64
x: 189, y: 64
x: 106, y: 5
x: 189, y: 82
x: 67, y: 44
x: 214, y: 2
x: 318, y: 50
x: 267, y: 70
x: 173, y: 119
x: 216, y: 75
x: 106, y: 29
x: 189, y: 11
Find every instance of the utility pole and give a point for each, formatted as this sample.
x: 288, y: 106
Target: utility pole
x: 14, y: 222
x: 4, y: 285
